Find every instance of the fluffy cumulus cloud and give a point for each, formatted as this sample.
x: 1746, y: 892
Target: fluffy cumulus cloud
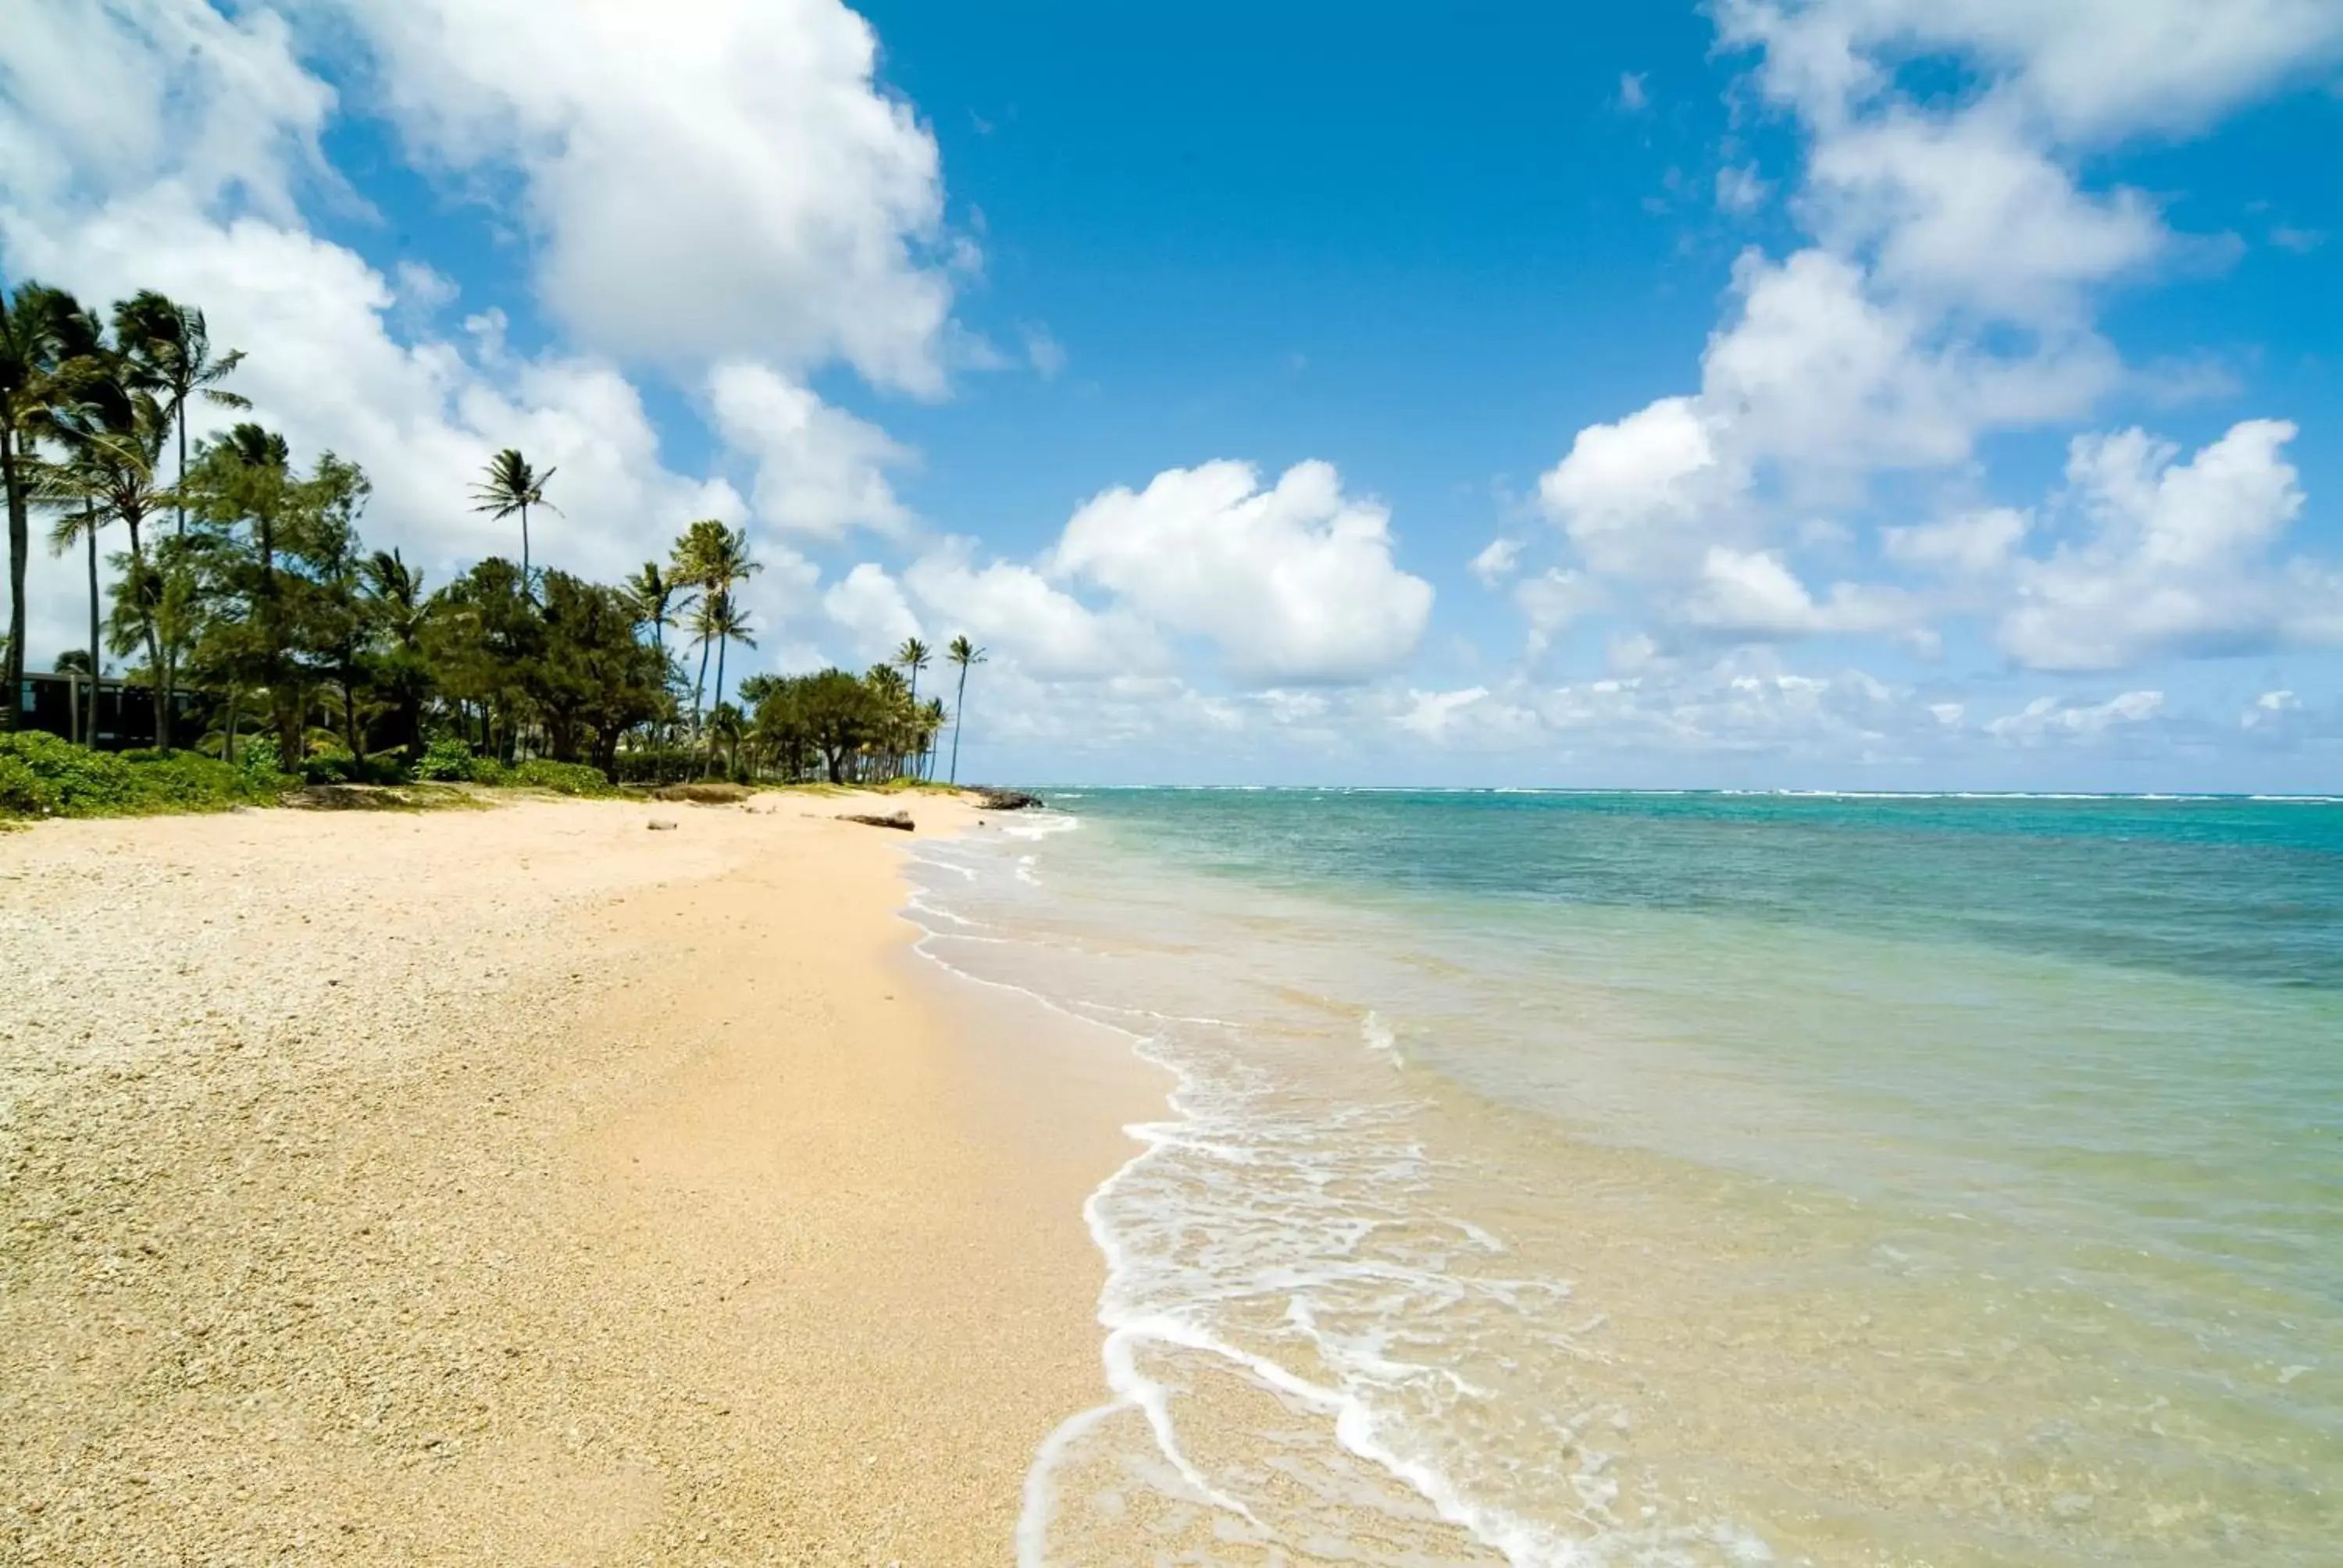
x: 1293, y: 582
x: 1949, y: 288
x: 2177, y: 559
x: 867, y: 606
x: 1011, y: 607
x: 706, y: 178
x: 821, y: 471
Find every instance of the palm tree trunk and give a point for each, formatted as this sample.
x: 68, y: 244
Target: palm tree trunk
x: 700, y: 689
x: 721, y: 644
x: 179, y: 417
x: 959, y: 703
x: 154, y: 643
x: 350, y: 722
x: 19, y: 544
x: 96, y: 652
x: 524, y: 549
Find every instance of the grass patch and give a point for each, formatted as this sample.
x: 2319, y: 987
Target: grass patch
x: 537, y: 773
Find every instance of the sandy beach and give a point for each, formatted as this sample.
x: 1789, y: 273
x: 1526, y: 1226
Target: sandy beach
x: 524, y: 1186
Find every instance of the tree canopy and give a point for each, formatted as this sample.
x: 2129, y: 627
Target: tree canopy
x: 264, y: 610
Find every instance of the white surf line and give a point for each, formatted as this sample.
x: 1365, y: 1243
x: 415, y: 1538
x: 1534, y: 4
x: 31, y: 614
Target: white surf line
x: 1356, y: 1425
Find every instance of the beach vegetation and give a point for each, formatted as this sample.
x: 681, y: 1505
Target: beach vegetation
x: 276, y: 648
x: 45, y: 775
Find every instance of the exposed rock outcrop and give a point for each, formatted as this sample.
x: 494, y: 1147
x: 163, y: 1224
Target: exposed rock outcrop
x: 1007, y: 800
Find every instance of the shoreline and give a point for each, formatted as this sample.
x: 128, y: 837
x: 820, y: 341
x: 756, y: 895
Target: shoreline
x: 522, y: 1185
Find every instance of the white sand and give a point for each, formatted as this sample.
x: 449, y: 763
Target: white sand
x: 522, y: 1186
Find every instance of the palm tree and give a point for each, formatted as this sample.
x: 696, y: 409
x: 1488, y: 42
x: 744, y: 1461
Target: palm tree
x: 75, y: 666
x: 395, y: 605
x: 932, y: 724
x: 34, y: 376
x: 512, y: 485
x: 712, y: 558
x: 114, y: 442
x: 59, y: 487
x: 719, y: 621
x: 913, y: 656
x: 963, y: 653
x: 171, y: 350
x: 659, y: 599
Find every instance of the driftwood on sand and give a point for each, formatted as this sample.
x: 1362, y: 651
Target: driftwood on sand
x: 899, y: 820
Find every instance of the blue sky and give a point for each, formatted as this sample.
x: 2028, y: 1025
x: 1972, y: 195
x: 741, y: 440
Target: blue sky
x: 1863, y: 393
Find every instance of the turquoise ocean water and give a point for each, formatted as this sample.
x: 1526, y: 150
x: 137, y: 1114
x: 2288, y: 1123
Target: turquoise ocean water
x: 1691, y: 1179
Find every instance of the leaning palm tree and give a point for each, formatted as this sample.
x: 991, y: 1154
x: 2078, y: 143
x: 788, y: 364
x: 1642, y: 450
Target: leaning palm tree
x: 512, y: 485
x: 964, y: 654
x: 35, y: 372
x: 169, y: 348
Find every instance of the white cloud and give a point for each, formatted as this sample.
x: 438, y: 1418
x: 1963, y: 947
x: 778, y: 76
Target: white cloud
x: 2177, y: 559
x: 1970, y: 544
x: 868, y: 605
x: 708, y: 179
x: 1965, y: 212
x: 1950, y: 290
x: 1015, y: 609
x: 1823, y: 377
x: 1044, y: 352
x: 2087, y: 69
x: 1626, y: 492
x: 422, y: 290
x: 1430, y: 713
x: 1497, y: 561
x: 2269, y: 710
x: 2047, y: 718
x: 422, y: 417
x: 1552, y: 601
x: 1295, y: 582
x: 821, y: 471
x: 156, y: 91
x: 1632, y: 97
x: 1753, y: 595
x: 1739, y: 189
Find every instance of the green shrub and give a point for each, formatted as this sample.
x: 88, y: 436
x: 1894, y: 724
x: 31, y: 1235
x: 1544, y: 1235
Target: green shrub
x: 259, y: 756
x: 561, y: 778
x: 660, y: 764
x: 448, y: 760
x: 329, y: 767
x: 42, y: 775
x: 24, y: 792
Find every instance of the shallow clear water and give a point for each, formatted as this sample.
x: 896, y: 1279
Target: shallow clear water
x: 1693, y: 1179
